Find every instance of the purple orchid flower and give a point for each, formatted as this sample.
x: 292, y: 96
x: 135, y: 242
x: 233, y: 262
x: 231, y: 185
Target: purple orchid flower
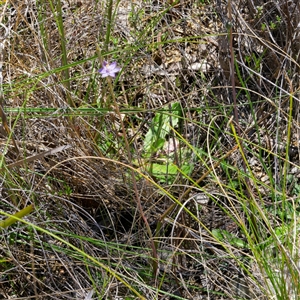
x: 109, y: 69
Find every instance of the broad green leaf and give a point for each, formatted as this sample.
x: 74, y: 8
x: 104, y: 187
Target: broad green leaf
x: 159, y: 128
x: 168, y: 172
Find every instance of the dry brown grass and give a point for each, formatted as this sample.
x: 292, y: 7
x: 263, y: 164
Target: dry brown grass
x: 86, y: 194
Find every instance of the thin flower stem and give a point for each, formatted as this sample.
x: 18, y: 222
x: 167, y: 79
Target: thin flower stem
x: 117, y: 110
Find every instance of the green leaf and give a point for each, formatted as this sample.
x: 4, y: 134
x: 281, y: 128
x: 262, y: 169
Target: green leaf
x: 160, y: 127
x: 168, y: 172
x: 225, y: 236
x: 164, y: 169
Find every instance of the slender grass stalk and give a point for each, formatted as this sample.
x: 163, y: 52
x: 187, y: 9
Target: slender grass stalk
x: 18, y: 215
x: 58, y: 16
x: 42, y: 30
x: 286, y: 162
x: 253, y: 224
x: 109, y: 16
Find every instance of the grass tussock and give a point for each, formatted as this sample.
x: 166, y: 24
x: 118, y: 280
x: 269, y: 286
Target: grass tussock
x: 176, y: 177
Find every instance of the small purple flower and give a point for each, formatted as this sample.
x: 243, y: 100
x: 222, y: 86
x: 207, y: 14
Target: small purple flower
x: 109, y: 69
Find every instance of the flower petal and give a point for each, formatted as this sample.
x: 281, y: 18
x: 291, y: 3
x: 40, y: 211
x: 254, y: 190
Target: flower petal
x: 109, y: 69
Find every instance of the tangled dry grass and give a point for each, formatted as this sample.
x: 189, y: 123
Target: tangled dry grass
x: 65, y: 149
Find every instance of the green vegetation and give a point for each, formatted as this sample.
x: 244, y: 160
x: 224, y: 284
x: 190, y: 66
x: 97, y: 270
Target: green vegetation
x: 149, y: 150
